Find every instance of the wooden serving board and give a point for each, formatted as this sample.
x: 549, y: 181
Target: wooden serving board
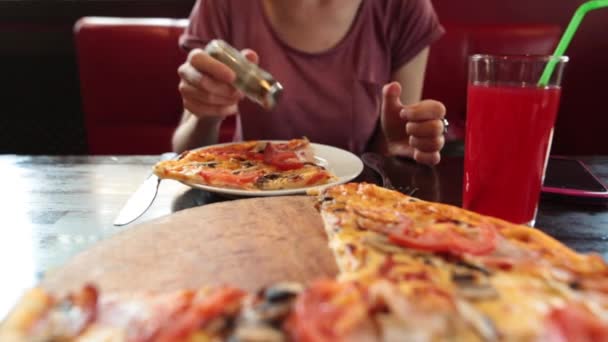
x: 247, y: 243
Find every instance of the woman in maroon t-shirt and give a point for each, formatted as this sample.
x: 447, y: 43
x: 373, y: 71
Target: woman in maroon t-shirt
x: 347, y: 68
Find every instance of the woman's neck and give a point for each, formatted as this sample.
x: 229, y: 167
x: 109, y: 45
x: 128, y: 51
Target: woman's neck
x: 311, y: 25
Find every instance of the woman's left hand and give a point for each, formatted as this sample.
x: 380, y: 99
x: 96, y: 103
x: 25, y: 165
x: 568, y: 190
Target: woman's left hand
x: 416, y: 130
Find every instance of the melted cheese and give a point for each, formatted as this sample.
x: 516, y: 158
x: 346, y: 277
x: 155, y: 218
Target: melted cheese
x: 523, y: 295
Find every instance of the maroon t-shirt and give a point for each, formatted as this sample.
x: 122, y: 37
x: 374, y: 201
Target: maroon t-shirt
x: 332, y: 97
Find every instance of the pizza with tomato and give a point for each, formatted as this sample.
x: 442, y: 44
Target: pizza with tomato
x: 504, y: 281
x: 250, y: 165
x: 410, y: 270
x: 192, y: 315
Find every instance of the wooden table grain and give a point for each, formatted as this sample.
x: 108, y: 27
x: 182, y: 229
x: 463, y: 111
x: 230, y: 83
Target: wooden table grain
x: 56, y: 206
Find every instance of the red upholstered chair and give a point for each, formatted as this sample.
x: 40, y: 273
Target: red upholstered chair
x: 128, y: 79
x: 446, y: 75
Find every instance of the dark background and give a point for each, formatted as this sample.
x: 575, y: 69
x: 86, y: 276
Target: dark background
x: 40, y: 104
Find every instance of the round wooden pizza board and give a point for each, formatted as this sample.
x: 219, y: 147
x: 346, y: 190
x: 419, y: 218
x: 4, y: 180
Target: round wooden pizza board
x: 247, y: 243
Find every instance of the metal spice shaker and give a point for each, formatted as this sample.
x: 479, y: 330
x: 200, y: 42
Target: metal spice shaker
x: 257, y: 84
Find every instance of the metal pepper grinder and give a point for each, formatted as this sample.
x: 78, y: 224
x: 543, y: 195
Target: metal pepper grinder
x: 257, y: 84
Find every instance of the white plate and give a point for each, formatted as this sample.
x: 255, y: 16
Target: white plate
x: 345, y: 165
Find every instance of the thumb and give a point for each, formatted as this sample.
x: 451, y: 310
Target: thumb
x: 391, y: 98
x: 251, y: 55
x: 392, y: 125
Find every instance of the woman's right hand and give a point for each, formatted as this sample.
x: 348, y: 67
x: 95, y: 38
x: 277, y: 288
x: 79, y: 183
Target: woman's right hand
x: 206, y: 85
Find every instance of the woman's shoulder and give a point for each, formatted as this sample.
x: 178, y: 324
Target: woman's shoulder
x: 408, y: 27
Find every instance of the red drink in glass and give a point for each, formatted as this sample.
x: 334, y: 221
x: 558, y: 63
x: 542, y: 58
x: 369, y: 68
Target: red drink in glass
x: 510, y: 118
x: 508, y: 135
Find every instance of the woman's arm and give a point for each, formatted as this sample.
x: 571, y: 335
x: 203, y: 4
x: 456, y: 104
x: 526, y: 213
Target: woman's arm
x: 411, y: 127
x: 208, y: 97
x: 193, y: 132
x: 411, y: 78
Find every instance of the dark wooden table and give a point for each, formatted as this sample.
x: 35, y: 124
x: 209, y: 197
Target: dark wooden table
x: 55, y: 206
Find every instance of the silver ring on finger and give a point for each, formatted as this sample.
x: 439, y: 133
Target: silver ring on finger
x: 446, y: 124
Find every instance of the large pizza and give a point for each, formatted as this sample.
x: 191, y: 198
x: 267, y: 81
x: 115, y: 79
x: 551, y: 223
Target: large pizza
x: 249, y: 165
x: 410, y: 270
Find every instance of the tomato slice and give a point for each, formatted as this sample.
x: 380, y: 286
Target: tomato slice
x: 482, y: 243
x: 254, y: 156
x: 480, y: 240
x: 282, y: 160
x: 83, y: 306
x: 317, y: 177
x: 574, y: 323
x: 428, y: 240
x: 326, y: 311
x: 202, y: 310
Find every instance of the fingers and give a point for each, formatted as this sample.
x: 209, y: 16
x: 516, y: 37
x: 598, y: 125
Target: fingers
x: 204, y: 109
x: 190, y: 92
x: 424, y: 126
x: 423, y: 110
x: 427, y: 140
x: 406, y: 150
x: 433, y: 144
x: 426, y: 129
x: 428, y: 158
x: 391, y: 102
x: 205, y: 83
x: 426, y: 150
x: 208, y: 65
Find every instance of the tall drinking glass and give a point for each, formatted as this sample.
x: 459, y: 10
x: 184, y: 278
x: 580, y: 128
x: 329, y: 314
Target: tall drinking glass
x: 509, y: 129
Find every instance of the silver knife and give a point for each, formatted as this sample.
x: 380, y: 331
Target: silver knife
x: 141, y: 199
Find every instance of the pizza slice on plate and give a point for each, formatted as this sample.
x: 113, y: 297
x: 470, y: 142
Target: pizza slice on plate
x: 250, y: 165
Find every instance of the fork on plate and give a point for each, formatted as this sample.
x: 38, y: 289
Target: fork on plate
x: 375, y: 161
